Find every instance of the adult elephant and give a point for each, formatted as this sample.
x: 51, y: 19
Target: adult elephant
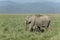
x: 39, y: 22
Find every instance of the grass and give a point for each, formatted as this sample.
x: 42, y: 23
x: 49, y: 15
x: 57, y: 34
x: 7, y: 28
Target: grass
x: 12, y: 27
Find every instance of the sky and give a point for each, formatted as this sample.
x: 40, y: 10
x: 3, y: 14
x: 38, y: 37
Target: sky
x: 35, y: 0
x: 2, y: 0
x: 25, y: 1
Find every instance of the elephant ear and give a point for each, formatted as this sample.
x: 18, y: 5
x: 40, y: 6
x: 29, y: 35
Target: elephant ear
x: 28, y: 20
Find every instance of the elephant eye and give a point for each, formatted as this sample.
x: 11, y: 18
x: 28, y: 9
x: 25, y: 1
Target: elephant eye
x: 29, y: 22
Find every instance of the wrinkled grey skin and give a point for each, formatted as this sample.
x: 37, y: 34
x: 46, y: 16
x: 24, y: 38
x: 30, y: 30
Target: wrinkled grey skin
x: 37, y: 22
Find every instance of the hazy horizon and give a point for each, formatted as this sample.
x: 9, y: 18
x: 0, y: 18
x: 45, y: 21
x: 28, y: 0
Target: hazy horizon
x: 26, y: 1
x: 31, y: 6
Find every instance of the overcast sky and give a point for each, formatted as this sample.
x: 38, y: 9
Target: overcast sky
x: 25, y: 1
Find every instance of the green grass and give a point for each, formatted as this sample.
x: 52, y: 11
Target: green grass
x: 12, y: 27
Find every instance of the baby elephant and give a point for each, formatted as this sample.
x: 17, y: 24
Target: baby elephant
x: 37, y: 22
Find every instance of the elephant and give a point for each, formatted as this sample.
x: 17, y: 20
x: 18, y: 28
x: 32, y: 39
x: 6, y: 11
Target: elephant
x: 37, y: 22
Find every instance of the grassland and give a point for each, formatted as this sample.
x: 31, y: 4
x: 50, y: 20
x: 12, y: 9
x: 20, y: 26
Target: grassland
x: 12, y: 27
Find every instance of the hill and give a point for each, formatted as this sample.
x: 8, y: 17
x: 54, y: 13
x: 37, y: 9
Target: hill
x: 43, y: 7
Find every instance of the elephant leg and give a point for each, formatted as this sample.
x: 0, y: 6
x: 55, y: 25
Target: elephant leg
x: 31, y: 27
x: 34, y: 28
x: 38, y: 28
x: 42, y: 28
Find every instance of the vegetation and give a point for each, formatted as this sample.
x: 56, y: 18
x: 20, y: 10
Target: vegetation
x: 12, y: 27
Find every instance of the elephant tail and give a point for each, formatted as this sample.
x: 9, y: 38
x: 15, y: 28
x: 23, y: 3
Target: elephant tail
x: 48, y: 23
